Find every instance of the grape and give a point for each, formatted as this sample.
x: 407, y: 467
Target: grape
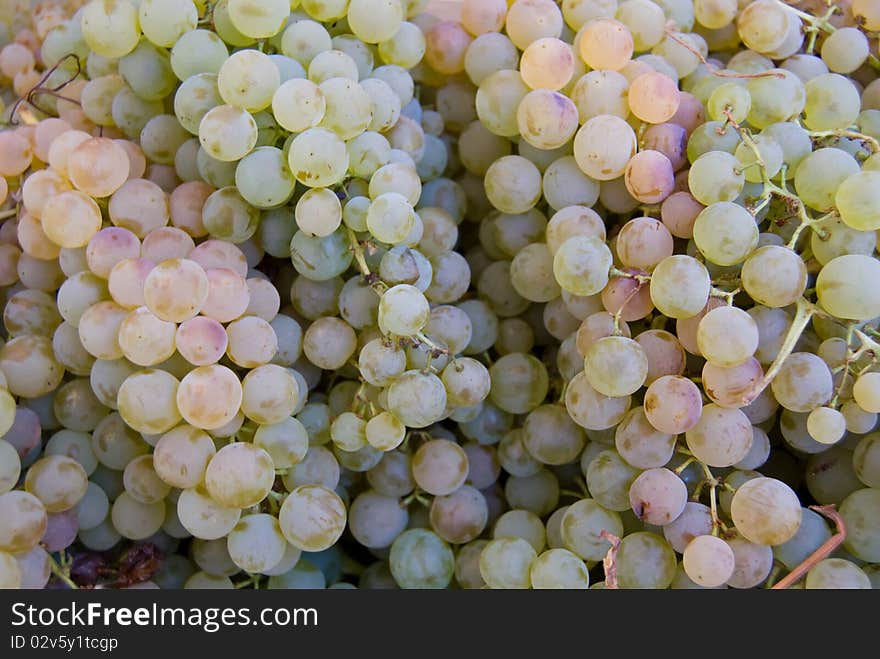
x: 616, y: 366
x: 727, y: 336
x: 24, y: 521
x: 803, y: 383
x: 653, y: 97
x: 609, y: 478
x: 239, y: 475
x: 811, y: 533
x: 255, y: 543
x: 722, y: 437
x: 506, y: 562
x: 312, y: 518
x: 603, y: 146
x: 519, y: 383
x: 836, y: 573
x: 859, y: 509
x: 581, y: 265
x: 680, y: 286
x: 640, y: 444
x: 460, y: 516
x: 832, y: 101
x: 421, y: 559
x: 766, y: 511
x: 658, y: 496
x: 606, y: 44
x: 645, y: 560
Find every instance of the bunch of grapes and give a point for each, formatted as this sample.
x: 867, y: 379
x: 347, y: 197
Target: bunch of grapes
x: 429, y: 294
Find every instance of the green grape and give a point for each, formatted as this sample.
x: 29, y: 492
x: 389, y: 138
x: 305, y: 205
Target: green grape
x: 519, y: 383
x: 559, y: 568
x: 715, y: 176
x: 844, y: 287
x: 110, y: 29
x: 194, y: 98
x: 766, y: 511
x: 856, y: 200
x: 832, y: 102
x: 774, y: 276
x: 421, y: 559
x: 836, y: 574
x: 262, y: 179
x: 711, y: 136
x: 859, y: 511
x: 645, y: 560
x: 147, y: 70
x: 198, y: 51
x: 609, y: 478
x: 775, y: 98
x: 731, y: 97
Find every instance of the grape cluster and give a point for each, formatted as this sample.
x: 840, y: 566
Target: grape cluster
x: 426, y: 294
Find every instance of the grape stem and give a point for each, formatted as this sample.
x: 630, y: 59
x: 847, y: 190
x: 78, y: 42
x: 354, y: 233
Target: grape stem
x: 609, y: 563
x: 852, y: 134
x: 822, y: 24
x: 821, y: 553
x: 714, y: 70
x: 8, y: 213
x: 771, y: 188
x: 62, y: 570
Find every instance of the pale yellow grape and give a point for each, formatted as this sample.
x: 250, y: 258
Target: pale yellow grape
x: 714, y: 177
x: 116, y: 444
x: 708, y: 560
x: 766, y: 511
x: 680, y: 286
x: 857, y: 202
x: 403, y: 310
x: 837, y: 574
x: 867, y: 13
x: 844, y: 287
x: 228, y: 133
x: 146, y: 401
x: 209, y: 396
x: 826, y: 425
x: 803, y: 383
x: 581, y: 264
x: 239, y: 475
x: 58, y: 481
x: 142, y: 482
x: 397, y: 177
x: 832, y: 102
x: 135, y: 520
x: 616, y: 366
x: 287, y: 442
x: 385, y: 431
x: 531, y: 273
x: 40, y: 188
x: 247, y: 80
x: 374, y: 21
x: 727, y: 336
x: 866, y: 392
x: 600, y: 92
x: 256, y: 544
x: 546, y: 119
x: 10, y: 572
x: 98, y: 329
x: 298, y: 104
x: 10, y: 463
x: 98, y: 166
x: 111, y: 29
x: 774, y: 276
x: 203, y: 517
x: 251, y: 342
x: 606, y: 44
x: 33, y: 240
x: 368, y: 152
x: 259, y: 19
x: 165, y: 21
x: 406, y: 47
x: 144, y: 339
x: 417, y: 399
x: 513, y: 184
x: 571, y: 221
x: 318, y: 158
x: 110, y: 246
x: 24, y: 521
x: 547, y: 63
x: 31, y: 312
x: 312, y: 518
x: 269, y: 394
x: 181, y: 456
x: 265, y: 301
x: 497, y: 100
x: 176, y: 289
x: 603, y: 146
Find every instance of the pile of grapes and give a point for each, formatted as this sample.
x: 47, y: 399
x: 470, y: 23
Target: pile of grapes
x: 399, y: 293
